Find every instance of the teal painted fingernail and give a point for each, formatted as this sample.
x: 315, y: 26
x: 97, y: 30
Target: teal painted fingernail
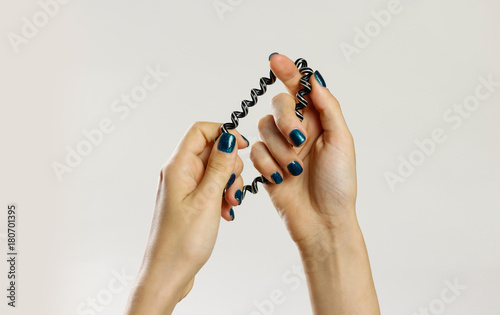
x: 295, y: 168
x: 231, y: 213
x: 277, y: 179
x: 237, y: 195
x: 274, y: 53
x: 297, y: 137
x: 246, y: 140
x: 319, y: 78
x: 231, y: 180
x: 227, y: 142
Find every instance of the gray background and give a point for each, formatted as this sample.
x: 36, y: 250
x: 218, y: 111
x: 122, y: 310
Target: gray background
x: 442, y: 224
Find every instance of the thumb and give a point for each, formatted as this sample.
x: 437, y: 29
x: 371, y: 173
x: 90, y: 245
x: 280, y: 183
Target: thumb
x: 219, y: 168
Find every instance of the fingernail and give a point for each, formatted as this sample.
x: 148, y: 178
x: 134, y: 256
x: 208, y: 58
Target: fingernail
x: 246, y: 140
x: 319, y: 78
x: 231, y: 213
x: 231, y: 180
x: 277, y: 179
x: 237, y: 196
x: 295, y: 168
x: 274, y: 53
x: 226, y: 142
x: 297, y: 137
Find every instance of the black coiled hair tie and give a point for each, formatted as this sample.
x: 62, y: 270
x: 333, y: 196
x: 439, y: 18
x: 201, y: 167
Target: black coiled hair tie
x: 255, y: 93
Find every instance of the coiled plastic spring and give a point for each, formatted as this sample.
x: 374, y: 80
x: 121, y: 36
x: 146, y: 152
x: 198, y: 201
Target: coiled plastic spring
x: 307, y: 72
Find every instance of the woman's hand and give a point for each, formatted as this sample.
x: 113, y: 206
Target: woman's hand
x: 189, y: 205
x: 314, y: 191
x: 318, y: 191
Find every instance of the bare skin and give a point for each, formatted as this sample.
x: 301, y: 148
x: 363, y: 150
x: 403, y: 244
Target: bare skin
x: 317, y: 205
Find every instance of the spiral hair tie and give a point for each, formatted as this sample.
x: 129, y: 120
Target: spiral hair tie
x: 264, y: 82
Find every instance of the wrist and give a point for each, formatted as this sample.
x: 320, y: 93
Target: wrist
x: 337, y: 270
x: 342, y: 237
x: 155, y: 293
x: 159, y: 286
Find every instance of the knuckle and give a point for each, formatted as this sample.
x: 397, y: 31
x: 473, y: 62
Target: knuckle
x: 345, y: 137
x: 279, y: 98
x: 170, y: 170
x: 335, y: 100
x: 239, y: 165
x: 218, y: 166
x: 265, y: 122
x: 165, y: 168
x: 196, y: 125
x: 255, y: 149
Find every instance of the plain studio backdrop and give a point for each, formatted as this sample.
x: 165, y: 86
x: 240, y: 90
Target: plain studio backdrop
x: 419, y: 84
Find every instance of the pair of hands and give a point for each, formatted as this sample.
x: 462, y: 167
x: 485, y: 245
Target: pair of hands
x: 315, y: 198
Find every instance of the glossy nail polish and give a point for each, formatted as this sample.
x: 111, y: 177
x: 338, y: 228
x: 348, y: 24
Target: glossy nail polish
x: 231, y: 180
x: 297, y: 137
x: 237, y: 195
x: 248, y: 142
x: 277, y: 179
x: 319, y: 78
x: 231, y: 213
x: 226, y: 142
x: 274, y: 53
x: 295, y: 168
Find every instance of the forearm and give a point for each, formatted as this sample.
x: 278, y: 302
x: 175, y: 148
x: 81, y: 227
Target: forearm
x: 338, y: 272
x: 157, y: 290
x: 146, y: 301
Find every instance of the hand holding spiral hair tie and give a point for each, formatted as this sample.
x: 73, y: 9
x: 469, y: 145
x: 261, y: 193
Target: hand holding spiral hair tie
x: 317, y: 207
x: 254, y: 94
